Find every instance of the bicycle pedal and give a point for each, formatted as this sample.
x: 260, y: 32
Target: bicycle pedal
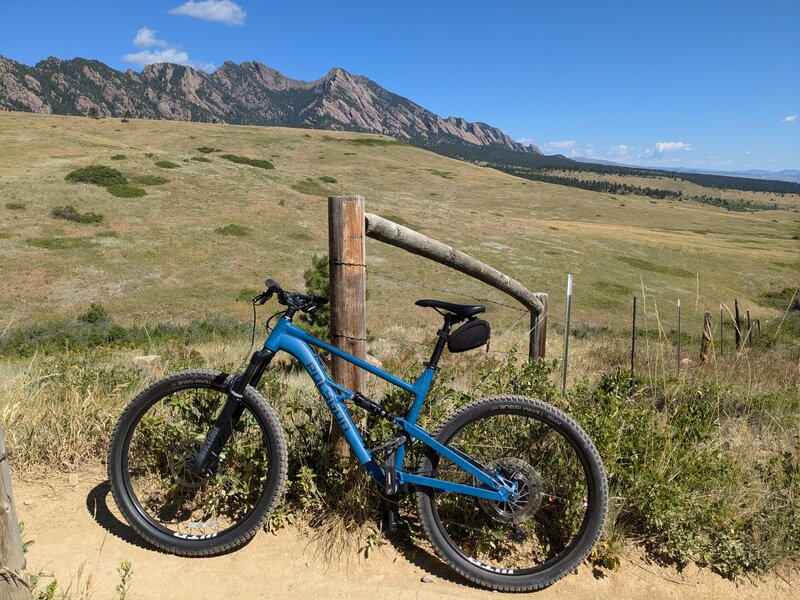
x: 394, y: 522
x: 390, y: 445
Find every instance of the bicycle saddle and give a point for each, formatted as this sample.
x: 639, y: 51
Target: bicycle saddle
x: 462, y: 310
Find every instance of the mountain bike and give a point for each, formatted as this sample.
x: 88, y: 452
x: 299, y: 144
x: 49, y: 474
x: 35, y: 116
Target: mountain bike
x: 510, y: 491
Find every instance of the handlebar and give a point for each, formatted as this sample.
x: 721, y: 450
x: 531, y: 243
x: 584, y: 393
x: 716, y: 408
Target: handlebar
x: 294, y: 300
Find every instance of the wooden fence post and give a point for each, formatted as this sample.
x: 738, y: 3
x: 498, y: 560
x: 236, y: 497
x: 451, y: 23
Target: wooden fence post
x: 14, y: 582
x: 738, y: 326
x: 706, y: 341
x: 538, y: 335
x: 749, y: 330
x: 348, y: 276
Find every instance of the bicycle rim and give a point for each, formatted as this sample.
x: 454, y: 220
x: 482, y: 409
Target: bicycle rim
x: 539, y: 529
x: 157, y: 460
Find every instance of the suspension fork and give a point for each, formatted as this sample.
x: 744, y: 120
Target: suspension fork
x: 220, y: 432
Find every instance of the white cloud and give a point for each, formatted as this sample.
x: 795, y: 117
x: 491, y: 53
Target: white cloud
x: 563, y: 145
x: 146, y: 37
x: 527, y: 141
x: 662, y: 147
x: 148, y: 57
x: 789, y: 119
x: 221, y: 11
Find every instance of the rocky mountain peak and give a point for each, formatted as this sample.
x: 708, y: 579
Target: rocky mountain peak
x: 249, y: 93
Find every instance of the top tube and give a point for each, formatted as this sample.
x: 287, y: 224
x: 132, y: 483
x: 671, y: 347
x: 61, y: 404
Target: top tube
x: 285, y: 327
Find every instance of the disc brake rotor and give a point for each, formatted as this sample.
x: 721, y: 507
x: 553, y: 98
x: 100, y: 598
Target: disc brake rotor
x: 180, y: 465
x: 529, y: 492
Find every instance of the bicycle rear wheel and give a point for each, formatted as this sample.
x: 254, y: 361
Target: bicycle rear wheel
x: 150, y: 460
x: 542, y: 535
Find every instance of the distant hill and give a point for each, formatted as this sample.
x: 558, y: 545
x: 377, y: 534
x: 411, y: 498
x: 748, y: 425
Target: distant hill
x: 250, y: 93
x: 784, y: 175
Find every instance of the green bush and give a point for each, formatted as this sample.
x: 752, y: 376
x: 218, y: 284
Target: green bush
x: 149, y: 179
x: 202, y: 159
x: 125, y: 191
x: 310, y: 187
x: 208, y: 150
x: 243, y: 160
x: 68, y: 213
x: 166, y: 164
x: 119, y: 157
x: 327, y: 179
x: 15, y: 206
x: 59, y: 243
x: 317, y: 279
x: 234, y: 230
x: 95, y: 327
x: 98, y: 175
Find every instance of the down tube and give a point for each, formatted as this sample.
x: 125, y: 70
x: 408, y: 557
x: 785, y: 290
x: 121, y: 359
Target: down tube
x: 310, y: 361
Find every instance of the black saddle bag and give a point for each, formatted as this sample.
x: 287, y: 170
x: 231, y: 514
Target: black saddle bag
x: 472, y: 334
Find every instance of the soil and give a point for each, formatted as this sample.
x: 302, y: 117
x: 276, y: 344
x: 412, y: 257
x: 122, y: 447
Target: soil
x: 80, y: 539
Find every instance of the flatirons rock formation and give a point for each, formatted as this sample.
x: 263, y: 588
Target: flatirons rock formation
x: 247, y: 94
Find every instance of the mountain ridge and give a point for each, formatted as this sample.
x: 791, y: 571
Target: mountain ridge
x: 249, y: 93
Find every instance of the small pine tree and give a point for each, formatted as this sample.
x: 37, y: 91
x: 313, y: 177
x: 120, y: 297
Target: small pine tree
x: 93, y: 113
x: 317, y: 278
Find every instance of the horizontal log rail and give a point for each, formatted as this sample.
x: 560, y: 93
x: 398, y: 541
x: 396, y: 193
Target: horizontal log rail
x: 394, y: 234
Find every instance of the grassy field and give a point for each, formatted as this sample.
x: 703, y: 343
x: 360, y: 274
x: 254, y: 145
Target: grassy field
x: 170, y: 256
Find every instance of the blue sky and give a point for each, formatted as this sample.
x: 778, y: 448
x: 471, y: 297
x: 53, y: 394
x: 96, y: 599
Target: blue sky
x: 697, y: 84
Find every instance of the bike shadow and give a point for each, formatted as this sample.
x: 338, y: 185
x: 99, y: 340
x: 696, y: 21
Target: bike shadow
x: 97, y: 505
x: 426, y: 560
x: 98, y: 508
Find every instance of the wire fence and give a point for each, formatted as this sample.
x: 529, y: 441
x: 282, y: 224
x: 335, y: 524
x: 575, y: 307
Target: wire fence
x: 582, y: 351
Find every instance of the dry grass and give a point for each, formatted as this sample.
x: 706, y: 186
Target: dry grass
x: 165, y: 262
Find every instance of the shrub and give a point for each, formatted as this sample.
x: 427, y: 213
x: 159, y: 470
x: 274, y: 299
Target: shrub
x: 201, y: 159
x: 125, y: 191
x: 327, y: 179
x: 119, y: 157
x: 15, y: 206
x: 317, y: 280
x: 96, y: 314
x: 234, y: 230
x: 243, y: 160
x: 149, y: 179
x: 310, y: 187
x: 59, y: 243
x: 68, y: 213
x: 96, y: 327
x: 208, y: 150
x: 166, y: 164
x: 98, y: 175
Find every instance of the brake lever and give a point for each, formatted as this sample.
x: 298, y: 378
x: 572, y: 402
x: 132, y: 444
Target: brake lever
x: 262, y: 298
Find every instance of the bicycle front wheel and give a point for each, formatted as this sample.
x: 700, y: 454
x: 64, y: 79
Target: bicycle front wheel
x: 535, y: 539
x: 152, y: 453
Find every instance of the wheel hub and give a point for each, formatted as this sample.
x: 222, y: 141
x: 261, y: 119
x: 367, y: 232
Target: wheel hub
x: 181, y: 461
x: 529, y: 492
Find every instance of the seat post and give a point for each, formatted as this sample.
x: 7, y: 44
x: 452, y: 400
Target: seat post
x: 442, y: 334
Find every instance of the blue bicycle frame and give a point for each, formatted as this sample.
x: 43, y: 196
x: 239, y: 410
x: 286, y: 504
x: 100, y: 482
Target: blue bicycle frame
x: 290, y: 338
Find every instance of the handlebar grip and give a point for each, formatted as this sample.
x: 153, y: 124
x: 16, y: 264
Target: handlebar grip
x: 272, y: 285
x: 320, y: 299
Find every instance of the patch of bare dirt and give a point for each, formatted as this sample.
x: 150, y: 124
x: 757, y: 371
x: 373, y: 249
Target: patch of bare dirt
x: 77, y: 531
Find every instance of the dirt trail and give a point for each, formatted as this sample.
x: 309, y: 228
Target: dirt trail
x: 77, y: 528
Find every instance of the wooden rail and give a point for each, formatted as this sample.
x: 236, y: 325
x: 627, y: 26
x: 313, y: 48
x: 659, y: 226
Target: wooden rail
x: 394, y: 234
